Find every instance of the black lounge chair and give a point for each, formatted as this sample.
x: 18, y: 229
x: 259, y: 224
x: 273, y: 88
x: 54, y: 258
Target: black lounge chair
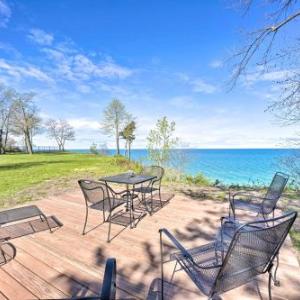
x: 101, y: 197
x: 262, y: 206
x: 218, y: 267
x: 22, y: 213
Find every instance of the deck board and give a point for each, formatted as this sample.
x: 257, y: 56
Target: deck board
x: 12, y: 289
x: 67, y: 264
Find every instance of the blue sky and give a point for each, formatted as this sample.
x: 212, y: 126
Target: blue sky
x: 161, y: 58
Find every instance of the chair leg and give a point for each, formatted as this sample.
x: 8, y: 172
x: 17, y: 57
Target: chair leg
x: 86, y: 217
x: 174, y: 271
x: 231, y: 208
x: 161, y: 267
x: 3, y: 255
x: 46, y: 222
x: 161, y: 204
x: 10, y: 255
x: 109, y: 228
x: 151, y: 202
x: 103, y: 212
x: 276, y: 282
x: 270, y: 285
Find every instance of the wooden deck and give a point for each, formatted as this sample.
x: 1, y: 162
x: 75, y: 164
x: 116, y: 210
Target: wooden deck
x: 65, y: 264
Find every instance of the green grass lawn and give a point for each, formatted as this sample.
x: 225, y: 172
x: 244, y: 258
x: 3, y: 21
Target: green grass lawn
x: 22, y: 171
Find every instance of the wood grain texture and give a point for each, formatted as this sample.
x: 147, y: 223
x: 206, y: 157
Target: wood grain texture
x: 66, y: 264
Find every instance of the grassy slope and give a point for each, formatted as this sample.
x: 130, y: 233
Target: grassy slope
x: 21, y: 171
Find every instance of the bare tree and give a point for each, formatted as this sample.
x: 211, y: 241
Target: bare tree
x: 115, y: 117
x: 25, y: 119
x: 61, y: 131
x: 267, y: 49
x: 6, y: 109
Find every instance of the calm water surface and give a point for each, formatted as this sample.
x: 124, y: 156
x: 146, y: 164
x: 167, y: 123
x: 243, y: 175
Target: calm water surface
x: 230, y: 166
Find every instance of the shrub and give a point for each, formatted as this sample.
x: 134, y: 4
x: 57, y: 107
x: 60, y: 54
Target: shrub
x: 198, y: 179
x: 93, y: 149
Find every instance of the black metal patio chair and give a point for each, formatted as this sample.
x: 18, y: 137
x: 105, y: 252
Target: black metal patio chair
x: 152, y: 186
x: 108, y: 291
x: 216, y: 268
x: 101, y: 197
x: 7, y: 251
x: 260, y: 205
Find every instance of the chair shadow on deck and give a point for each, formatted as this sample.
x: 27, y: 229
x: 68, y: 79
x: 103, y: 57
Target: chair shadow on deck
x: 20, y: 229
x: 77, y: 288
x: 157, y: 203
x: 171, y: 289
x: 202, y: 193
x: 120, y: 218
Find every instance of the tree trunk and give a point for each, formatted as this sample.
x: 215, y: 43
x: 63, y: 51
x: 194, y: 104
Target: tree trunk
x: 129, y: 151
x: 28, y: 143
x: 5, y: 141
x: 1, y: 142
x: 126, y: 148
x: 117, y: 141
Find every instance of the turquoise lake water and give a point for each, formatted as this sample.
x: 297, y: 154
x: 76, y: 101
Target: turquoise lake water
x: 230, y: 166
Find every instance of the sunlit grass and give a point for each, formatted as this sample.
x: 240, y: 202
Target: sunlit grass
x: 22, y: 171
x: 295, y: 235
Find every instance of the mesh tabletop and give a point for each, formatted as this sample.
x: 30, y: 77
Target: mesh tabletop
x: 19, y: 213
x: 126, y: 178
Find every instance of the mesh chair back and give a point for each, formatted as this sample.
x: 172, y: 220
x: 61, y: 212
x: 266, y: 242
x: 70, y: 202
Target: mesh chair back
x: 274, y: 191
x: 154, y: 171
x: 252, y: 251
x: 93, y: 191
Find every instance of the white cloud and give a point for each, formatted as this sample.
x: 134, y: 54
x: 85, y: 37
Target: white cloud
x: 259, y: 76
x: 18, y: 72
x: 183, y: 77
x: 216, y: 64
x: 84, y: 123
x: 85, y: 89
x: 78, y: 66
x: 110, y: 69
x: 5, y: 13
x: 84, y: 66
x: 184, y: 102
x: 41, y: 37
x: 200, y: 86
x: 277, y: 75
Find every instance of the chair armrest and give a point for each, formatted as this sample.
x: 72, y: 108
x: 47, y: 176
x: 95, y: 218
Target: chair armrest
x: 116, y: 193
x: 183, y: 251
x: 249, y: 197
x: 175, y: 242
x: 108, y: 291
x: 243, y: 194
x: 122, y: 192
